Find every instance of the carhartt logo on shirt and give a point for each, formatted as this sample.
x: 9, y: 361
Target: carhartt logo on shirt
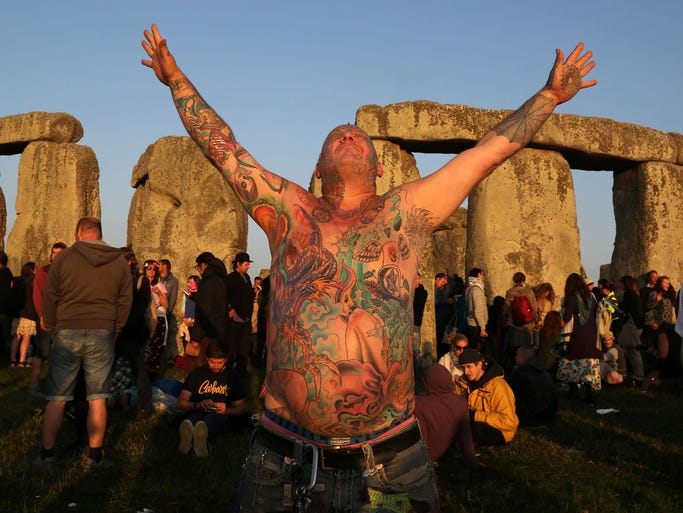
x: 209, y: 387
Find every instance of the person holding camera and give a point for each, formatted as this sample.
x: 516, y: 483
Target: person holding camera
x: 212, y: 397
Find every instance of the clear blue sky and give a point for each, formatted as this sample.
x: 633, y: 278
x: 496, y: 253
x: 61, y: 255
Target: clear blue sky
x: 284, y: 73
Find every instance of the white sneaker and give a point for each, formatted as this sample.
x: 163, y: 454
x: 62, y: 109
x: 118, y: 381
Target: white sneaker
x: 201, y: 433
x: 186, y: 432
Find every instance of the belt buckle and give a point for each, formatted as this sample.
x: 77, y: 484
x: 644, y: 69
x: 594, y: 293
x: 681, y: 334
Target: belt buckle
x: 336, y: 445
x: 333, y: 450
x: 321, y: 454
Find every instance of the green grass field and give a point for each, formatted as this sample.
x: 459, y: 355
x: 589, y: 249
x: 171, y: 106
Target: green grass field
x: 630, y: 461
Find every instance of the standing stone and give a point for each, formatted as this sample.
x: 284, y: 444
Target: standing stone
x: 57, y: 185
x: 450, y: 245
x: 182, y: 207
x: 649, y: 221
x: 523, y: 218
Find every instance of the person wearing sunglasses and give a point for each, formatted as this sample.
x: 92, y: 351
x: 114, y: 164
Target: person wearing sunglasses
x: 450, y: 360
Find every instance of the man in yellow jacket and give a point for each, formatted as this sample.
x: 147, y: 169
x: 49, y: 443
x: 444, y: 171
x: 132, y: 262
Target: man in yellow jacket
x: 490, y: 399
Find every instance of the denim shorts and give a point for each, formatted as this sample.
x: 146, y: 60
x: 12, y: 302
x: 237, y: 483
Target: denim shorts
x: 93, y: 350
x: 270, y: 482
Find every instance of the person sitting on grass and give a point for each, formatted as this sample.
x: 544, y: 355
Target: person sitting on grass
x: 444, y: 417
x: 535, y: 396
x: 613, y: 363
x: 449, y: 361
x: 213, y: 401
x: 490, y: 399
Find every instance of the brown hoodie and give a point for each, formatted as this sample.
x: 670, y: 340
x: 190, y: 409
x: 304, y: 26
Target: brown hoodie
x: 88, y: 287
x: 443, y: 416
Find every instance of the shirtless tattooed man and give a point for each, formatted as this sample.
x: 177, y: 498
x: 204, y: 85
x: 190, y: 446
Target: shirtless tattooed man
x: 338, y: 433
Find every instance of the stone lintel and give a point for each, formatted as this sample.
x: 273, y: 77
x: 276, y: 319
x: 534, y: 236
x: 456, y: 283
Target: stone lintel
x: 589, y: 143
x: 18, y: 130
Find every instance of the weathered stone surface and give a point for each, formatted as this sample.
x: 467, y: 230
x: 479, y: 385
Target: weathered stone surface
x: 3, y: 219
x: 182, y: 206
x: 57, y: 185
x: 589, y: 143
x: 678, y: 141
x: 17, y: 131
x: 450, y: 244
x: 649, y: 221
x: 523, y: 218
x: 605, y: 271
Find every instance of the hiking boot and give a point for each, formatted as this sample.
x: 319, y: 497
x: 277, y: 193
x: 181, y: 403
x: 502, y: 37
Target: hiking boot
x: 201, y: 433
x: 91, y: 465
x: 44, y: 462
x: 186, y: 430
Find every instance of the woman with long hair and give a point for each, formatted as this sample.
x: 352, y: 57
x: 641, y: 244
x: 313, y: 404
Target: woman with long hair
x: 581, y: 361
x: 549, y: 339
x: 662, y: 302
x: 545, y: 299
x: 631, y: 302
x: 133, y: 337
x: 157, y: 341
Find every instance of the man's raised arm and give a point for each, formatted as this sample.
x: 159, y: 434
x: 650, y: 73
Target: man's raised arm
x: 443, y: 191
x: 215, y: 138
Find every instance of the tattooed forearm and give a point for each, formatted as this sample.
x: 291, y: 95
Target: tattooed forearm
x: 177, y: 85
x: 213, y: 136
x: 522, y: 125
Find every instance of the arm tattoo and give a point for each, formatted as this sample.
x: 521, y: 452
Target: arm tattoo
x: 522, y: 125
x: 207, y: 129
x: 177, y: 85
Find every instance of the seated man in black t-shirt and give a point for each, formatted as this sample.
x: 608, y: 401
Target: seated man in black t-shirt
x: 211, y: 395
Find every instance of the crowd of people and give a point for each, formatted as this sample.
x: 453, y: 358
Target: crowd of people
x: 504, y: 361
x: 108, y: 345
x: 508, y: 358
x: 339, y: 394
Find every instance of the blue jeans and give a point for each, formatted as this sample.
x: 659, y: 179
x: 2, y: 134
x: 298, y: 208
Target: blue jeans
x: 271, y: 480
x: 93, y: 350
x: 215, y: 422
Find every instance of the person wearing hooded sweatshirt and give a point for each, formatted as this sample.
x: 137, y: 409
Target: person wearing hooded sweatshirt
x: 443, y: 417
x: 86, y: 302
x: 490, y: 399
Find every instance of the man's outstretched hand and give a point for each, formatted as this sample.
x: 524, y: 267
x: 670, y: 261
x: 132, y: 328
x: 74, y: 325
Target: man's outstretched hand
x: 566, y: 77
x: 161, y: 60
